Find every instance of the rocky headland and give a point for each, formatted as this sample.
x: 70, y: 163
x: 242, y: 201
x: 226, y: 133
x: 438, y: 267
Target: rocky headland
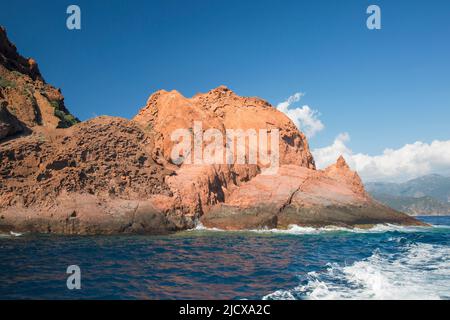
x: 113, y: 175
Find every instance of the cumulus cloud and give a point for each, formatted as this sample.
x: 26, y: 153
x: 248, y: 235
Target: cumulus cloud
x: 394, y: 165
x: 305, y: 118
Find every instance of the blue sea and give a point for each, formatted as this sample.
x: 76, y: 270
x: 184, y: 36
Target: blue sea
x: 385, y: 262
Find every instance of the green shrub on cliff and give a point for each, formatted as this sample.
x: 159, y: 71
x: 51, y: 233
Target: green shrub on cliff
x: 17, y: 73
x: 5, y: 83
x: 60, y: 114
x: 71, y: 119
x: 66, y: 120
x: 55, y: 104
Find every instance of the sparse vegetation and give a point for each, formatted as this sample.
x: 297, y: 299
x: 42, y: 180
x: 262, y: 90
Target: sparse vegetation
x: 41, y: 138
x: 60, y: 114
x: 66, y: 120
x: 71, y: 119
x: 5, y: 83
x: 55, y: 104
x: 16, y: 73
x: 28, y: 92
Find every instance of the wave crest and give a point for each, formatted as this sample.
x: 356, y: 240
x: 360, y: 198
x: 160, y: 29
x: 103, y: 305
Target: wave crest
x: 299, y: 230
x: 421, y: 271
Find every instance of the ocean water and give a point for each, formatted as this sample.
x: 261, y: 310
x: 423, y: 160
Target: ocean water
x: 385, y: 262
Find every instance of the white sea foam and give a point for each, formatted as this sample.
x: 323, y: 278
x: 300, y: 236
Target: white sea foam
x: 11, y: 234
x: 295, y: 229
x: 420, y: 271
x: 200, y: 227
x: 299, y: 230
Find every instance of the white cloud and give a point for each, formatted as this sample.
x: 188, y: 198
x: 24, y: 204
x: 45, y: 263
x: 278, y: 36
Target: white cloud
x: 305, y: 118
x: 328, y: 155
x: 408, y: 162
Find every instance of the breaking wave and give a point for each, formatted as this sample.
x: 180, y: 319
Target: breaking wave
x: 11, y: 234
x: 418, y: 271
x: 299, y: 230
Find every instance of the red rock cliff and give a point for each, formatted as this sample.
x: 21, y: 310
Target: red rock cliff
x: 222, y: 109
x: 27, y: 103
x: 113, y: 175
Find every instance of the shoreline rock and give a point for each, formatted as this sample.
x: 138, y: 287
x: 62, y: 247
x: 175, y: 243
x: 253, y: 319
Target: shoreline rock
x: 112, y: 175
x: 309, y: 198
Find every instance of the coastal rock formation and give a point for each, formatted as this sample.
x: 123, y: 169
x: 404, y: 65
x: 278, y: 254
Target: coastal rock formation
x: 221, y: 109
x: 113, y: 175
x: 301, y: 196
x: 199, y: 187
x: 26, y: 101
x: 95, y: 177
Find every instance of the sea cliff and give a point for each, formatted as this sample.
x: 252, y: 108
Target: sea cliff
x: 113, y: 175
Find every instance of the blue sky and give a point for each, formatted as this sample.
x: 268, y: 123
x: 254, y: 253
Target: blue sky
x: 386, y: 88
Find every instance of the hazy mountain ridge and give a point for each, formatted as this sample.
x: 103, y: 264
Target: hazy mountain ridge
x: 426, y: 195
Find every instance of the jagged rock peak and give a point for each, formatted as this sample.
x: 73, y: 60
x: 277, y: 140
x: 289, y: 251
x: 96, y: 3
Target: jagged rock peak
x: 12, y: 60
x: 27, y: 103
x: 341, y: 163
x: 342, y: 171
x: 221, y: 90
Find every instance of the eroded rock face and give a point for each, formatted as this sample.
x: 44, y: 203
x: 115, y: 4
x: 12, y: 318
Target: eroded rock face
x: 26, y: 101
x: 202, y: 186
x: 113, y: 175
x: 98, y: 176
x: 9, y: 125
x: 221, y: 109
x: 301, y: 196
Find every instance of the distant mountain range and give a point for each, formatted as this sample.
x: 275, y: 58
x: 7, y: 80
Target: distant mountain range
x: 427, y: 195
